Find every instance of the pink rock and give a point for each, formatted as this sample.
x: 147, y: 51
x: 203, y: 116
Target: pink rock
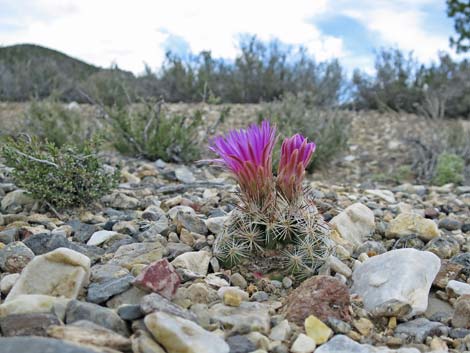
x: 159, y: 277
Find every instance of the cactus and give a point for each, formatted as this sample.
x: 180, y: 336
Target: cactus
x: 276, y: 215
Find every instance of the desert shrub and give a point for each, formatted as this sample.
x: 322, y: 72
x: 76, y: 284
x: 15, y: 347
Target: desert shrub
x: 435, y: 139
x: 449, y: 169
x: 147, y: 130
x: 328, y: 128
x: 54, y: 122
x: 66, y: 176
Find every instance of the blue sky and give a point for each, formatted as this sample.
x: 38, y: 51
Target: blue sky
x: 139, y: 32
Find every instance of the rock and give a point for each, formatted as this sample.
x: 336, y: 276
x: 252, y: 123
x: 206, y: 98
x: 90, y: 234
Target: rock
x: 101, y: 292
x: 159, y: 277
x: 130, y: 312
x: 216, y: 224
x: 121, y: 201
x: 243, y: 319
x: 238, y: 280
x: 396, y: 283
x: 464, y: 260
x: 385, y: 195
x: 303, y: 344
x: 184, y: 175
x: 363, y: 326
x: 232, y: 296
x: 281, y: 331
x: 14, y: 257
x: 14, y: 201
x: 195, y: 261
x: 8, y: 235
x: 410, y: 223
x: 339, y: 267
x: 317, y: 330
x: 240, y: 344
x: 176, y: 334
x: 82, y: 231
x: 353, y: 225
x: 42, y: 243
x: 77, y: 310
x: 457, y: 288
x: 338, y: 326
x: 34, y: 303
x: 322, y: 296
x: 7, y: 283
x: 198, y: 293
x: 156, y: 303
x: 371, y: 248
x: 191, y: 223
x: 31, y: 344
x: 421, y: 328
x: 450, y: 224
x: 132, y: 296
x: 343, y: 344
x: 34, y: 324
x: 431, y: 212
x: 61, y: 273
x: 161, y: 226
x: 448, y: 271
x: 445, y: 247
x: 461, y: 316
x: 100, y: 237
x: 88, y: 333
x: 438, y: 310
x: 130, y: 255
x: 142, y: 342
x: 106, y: 272
x: 174, y: 211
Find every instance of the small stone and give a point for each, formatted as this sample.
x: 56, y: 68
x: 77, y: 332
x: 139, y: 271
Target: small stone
x: 14, y: 257
x: 7, y: 282
x: 431, y: 213
x: 461, y: 316
x: 216, y: 224
x: 421, y: 328
x: 33, y: 344
x: 155, y: 302
x: 159, y: 277
x: 410, y: 223
x: 457, y: 288
x: 42, y: 243
x: 184, y: 175
x: 445, y: 247
x: 342, y: 344
x: 238, y: 280
x: 385, y: 195
x: 281, y: 331
x: 287, y: 282
x: 101, y: 292
x: 450, y: 224
x: 303, y: 344
x: 62, y: 273
x: 34, y: 303
x: 100, y: 237
x: 448, y: 271
x: 191, y: 223
x: 322, y: 296
x: 195, y: 261
x: 31, y: 324
x: 130, y: 312
x: 247, y: 317
x: 240, y: 344
x: 464, y: 260
x: 260, y: 296
x: 232, y: 298
x: 317, y: 330
x: 364, y: 326
x: 8, y: 235
x: 130, y: 255
x: 176, y: 334
x: 143, y: 342
x: 339, y: 267
x: 338, y: 326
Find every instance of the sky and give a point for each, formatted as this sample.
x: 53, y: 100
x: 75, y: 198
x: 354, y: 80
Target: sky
x: 138, y: 32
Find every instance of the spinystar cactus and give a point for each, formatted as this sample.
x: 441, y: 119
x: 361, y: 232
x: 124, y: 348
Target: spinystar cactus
x: 277, y: 215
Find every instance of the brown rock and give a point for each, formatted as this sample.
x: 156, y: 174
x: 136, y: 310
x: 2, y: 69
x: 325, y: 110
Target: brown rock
x: 31, y: 324
x: 447, y: 272
x: 322, y: 296
x: 461, y: 316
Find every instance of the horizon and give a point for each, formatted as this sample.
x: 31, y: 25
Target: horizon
x: 349, y: 31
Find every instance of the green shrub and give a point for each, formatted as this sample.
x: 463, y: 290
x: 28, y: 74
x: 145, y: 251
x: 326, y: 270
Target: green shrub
x: 52, y: 121
x: 66, y: 176
x: 449, y: 169
x: 329, y: 129
x: 146, y: 130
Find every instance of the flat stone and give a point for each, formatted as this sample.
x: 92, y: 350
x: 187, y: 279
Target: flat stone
x: 131, y: 296
x: 191, y: 223
x: 450, y: 224
x: 344, y: 344
x: 143, y: 342
x: 421, y: 328
x: 101, y: 236
x: 317, y: 330
x: 184, y: 175
x: 322, y: 296
x: 77, y: 310
x: 396, y: 283
x: 281, y: 331
x: 353, y: 225
x: 14, y: 257
x: 385, y: 195
x: 457, y: 288
x: 243, y: 319
x: 445, y: 247
x: 88, y: 333
x: 130, y: 255
x: 14, y: 201
x: 461, y: 318
x: 130, y: 312
x: 33, y: 324
x: 7, y: 283
x: 176, y: 334
x: 159, y: 277
x: 62, y: 273
x: 101, y: 292
x: 464, y: 260
x: 411, y: 223
x: 303, y: 344
x: 31, y: 344
x: 158, y: 227
x: 240, y: 344
x: 106, y: 272
x: 156, y: 303
x: 34, y: 303
x: 448, y: 271
x: 195, y: 261
x: 41, y: 243
x: 216, y: 224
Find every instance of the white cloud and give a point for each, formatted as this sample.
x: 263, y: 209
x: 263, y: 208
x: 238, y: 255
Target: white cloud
x: 129, y: 33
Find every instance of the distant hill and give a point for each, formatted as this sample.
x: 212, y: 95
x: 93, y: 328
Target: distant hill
x: 28, y: 70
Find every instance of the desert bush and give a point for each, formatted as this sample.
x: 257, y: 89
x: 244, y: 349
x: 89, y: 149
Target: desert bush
x: 449, y: 169
x: 52, y: 121
x: 64, y: 177
x: 328, y: 128
x: 147, y: 130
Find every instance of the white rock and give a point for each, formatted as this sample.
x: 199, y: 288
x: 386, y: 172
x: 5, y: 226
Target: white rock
x: 176, y: 334
x: 235, y: 290
x: 59, y: 273
x: 303, y: 344
x: 184, y: 175
x: 458, y: 288
x: 396, y: 283
x: 216, y: 224
x: 7, y: 282
x: 385, y: 195
x: 281, y: 331
x: 353, y: 225
x: 100, y: 237
x: 343, y: 344
x: 34, y: 303
x: 339, y: 267
x: 195, y: 261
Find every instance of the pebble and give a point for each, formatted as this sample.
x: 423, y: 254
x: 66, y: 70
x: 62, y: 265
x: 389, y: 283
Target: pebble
x: 195, y: 261
x: 450, y: 224
x: 410, y: 223
x: 30, y: 344
x: 281, y: 331
x: 457, y: 288
x: 14, y: 257
x: 303, y: 344
x: 421, y: 328
x: 240, y: 344
x: 29, y: 324
x: 461, y: 317
x: 317, y: 330
x: 102, y: 291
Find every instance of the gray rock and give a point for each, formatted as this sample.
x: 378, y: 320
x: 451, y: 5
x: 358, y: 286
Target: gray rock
x: 101, y: 292
x: 370, y: 247
x: 249, y: 316
x: 238, y: 280
x: 34, y: 324
x: 445, y: 247
x: 421, y: 328
x: 106, y: 272
x: 155, y: 302
x: 450, y: 224
x: 82, y: 232
x: 132, y: 296
x: 191, y: 223
x: 464, y: 260
x: 260, y: 296
x: 15, y: 201
x: 240, y: 344
x: 161, y: 226
x: 184, y: 175
x: 30, y: 344
x: 130, y: 312
x: 138, y: 253
x: 8, y: 235
x: 458, y: 288
x: 14, y: 257
x: 41, y: 243
x: 338, y: 326
x: 342, y: 344
x: 396, y: 283
x: 77, y: 310
x: 216, y: 224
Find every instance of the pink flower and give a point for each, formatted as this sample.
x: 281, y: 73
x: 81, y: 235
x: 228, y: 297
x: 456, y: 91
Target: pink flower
x: 248, y: 155
x: 296, y: 154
